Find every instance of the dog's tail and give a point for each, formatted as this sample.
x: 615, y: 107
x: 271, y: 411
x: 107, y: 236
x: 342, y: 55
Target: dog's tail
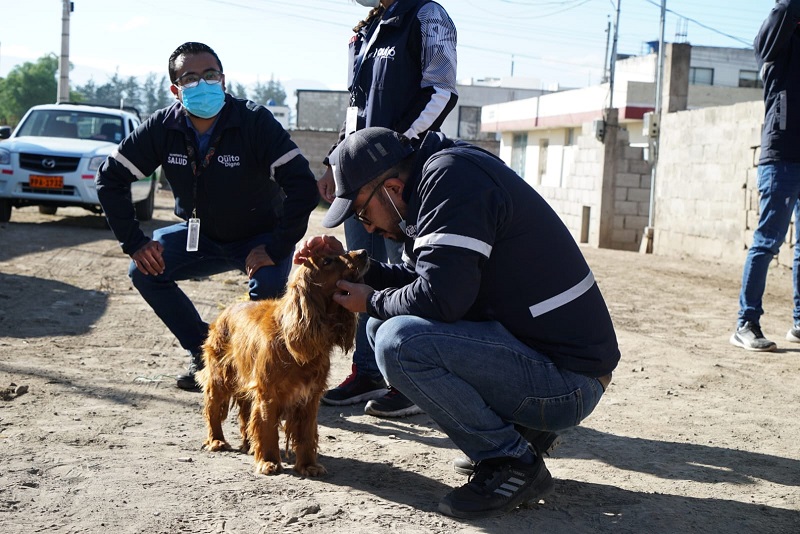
x: 214, y: 350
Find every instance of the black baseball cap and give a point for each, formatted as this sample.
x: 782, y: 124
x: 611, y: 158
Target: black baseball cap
x: 360, y: 158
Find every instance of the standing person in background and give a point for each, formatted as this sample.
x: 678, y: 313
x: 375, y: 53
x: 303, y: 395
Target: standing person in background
x: 777, y: 48
x: 240, y: 183
x: 402, y: 76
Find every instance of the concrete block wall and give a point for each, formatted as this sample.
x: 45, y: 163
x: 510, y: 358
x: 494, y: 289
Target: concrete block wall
x: 631, y: 195
x: 578, y: 195
x: 315, y: 146
x: 706, y: 197
x: 580, y: 192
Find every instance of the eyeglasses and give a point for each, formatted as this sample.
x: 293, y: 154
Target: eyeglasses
x: 359, y: 215
x: 211, y: 77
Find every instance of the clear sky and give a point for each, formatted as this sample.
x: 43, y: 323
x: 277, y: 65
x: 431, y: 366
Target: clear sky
x: 303, y: 43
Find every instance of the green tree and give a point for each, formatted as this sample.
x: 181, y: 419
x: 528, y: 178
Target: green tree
x: 155, y: 94
x: 238, y: 90
x: 272, y: 90
x: 27, y: 85
x: 118, y: 91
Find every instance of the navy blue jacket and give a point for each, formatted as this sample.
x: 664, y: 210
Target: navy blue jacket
x: 257, y: 181
x: 777, y: 47
x: 407, y: 81
x: 483, y: 245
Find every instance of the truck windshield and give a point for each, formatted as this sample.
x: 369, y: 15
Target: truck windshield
x: 72, y: 124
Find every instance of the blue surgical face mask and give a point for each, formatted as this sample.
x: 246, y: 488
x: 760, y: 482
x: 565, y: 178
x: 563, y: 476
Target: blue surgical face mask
x: 204, y: 100
x: 369, y: 3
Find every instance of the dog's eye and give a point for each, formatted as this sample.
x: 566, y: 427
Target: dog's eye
x: 327, y: 261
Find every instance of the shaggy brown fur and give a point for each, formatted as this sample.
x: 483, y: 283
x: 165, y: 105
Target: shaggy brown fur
x: 272, y: 357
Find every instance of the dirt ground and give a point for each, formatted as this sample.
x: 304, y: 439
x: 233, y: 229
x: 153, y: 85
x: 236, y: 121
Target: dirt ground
x: 693, y: 435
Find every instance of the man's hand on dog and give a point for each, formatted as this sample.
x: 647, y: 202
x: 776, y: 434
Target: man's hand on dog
x: 353, y: 296
x: 149, y: 259
x: 321, y: 245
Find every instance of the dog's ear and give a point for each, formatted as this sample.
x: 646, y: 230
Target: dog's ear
x: 344, y: 328
x: 303, y: 316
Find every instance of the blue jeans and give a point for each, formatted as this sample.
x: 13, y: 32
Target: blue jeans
x: 779, y: 187
x: 475, y: 379
x: 382, y: 250
x: 172, y: 305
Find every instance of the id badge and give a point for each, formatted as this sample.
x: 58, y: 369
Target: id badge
x: 193, y: 237
x: 351, y: 120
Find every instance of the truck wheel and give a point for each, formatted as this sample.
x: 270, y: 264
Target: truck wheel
x: 5, y: 210
x: 144, y: 208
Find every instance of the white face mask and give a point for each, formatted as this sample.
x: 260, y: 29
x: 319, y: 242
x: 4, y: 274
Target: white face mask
x: 369, y: 3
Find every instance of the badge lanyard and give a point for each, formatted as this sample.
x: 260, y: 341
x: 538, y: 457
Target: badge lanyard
x: 193, y: 236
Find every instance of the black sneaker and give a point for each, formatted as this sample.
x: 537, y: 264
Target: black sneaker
x: 355, y: 388
x: 543, y: 442
x: 749, y: 337
x: 393, y: 404
x: 186, y: 381
x: 498, y: 486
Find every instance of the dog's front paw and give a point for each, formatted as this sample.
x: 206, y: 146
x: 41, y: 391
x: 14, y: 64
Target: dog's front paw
x: 311, y: 470
x: 265, y: 467
x: 216, y: 445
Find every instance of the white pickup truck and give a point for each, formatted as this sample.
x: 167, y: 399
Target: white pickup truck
x: 51, y: 158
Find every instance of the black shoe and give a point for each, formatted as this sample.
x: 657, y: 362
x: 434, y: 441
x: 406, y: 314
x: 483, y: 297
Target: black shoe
x: 498, y: 486
x: 543, y: 442
x: 186, y: 381
x: 355, y: 388
x: 393, y: 404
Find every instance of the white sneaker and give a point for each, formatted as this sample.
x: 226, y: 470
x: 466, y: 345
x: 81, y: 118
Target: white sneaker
x: 750, y: 337
x: 793, y: 334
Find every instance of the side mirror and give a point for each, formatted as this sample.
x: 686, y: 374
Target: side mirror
x: 5, y: 132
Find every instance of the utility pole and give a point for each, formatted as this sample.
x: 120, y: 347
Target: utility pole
x: 63, y: 62
x: 654, y: 137
x: 604, y: 79
x: 613, y: 66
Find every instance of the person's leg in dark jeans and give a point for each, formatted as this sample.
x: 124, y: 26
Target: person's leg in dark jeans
x: 174, y: 307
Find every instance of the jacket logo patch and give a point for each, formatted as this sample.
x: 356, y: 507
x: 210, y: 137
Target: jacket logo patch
x: 229, y: 161
x: 387, y: 52
x: 177, y: 159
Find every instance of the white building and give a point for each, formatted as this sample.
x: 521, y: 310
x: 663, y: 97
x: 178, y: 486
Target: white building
x: 536, y: 133
x: 584, y: 149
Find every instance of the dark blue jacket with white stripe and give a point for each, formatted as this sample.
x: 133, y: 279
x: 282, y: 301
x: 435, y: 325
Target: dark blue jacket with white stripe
x: 257, y: 181
x: 777, y: 47
x: 407, y: 81
x: 483, y: 245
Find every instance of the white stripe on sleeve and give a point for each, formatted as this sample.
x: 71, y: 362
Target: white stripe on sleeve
x: 125, y: 162
x: 283, y: 160
x: 563, y: 298
x: 454, y: 240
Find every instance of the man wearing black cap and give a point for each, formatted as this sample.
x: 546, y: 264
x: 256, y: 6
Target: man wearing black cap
x: 493, y: 324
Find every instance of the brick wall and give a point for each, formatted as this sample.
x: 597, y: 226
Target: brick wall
x: 608, y: 215
x: 706, y: 196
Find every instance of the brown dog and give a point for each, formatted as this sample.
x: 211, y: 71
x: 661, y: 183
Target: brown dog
x: 272, y: 357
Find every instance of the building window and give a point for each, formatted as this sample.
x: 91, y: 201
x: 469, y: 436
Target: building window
x: 701, y: 76
x: 469, y: 122
x: 519, y: 145
x: 749, y: 78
